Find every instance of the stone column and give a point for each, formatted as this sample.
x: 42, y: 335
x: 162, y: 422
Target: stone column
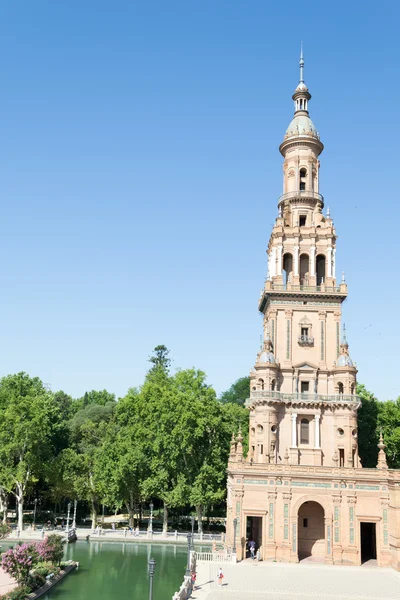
x: 312, y: 261
x: 328, y: 541
x: 279, y: 263
x: 296, y: 261
x: 334, y: 263
x: 294, y: 430
x: 316, y: 424
x: 329, y: 260
x: 272, y: 263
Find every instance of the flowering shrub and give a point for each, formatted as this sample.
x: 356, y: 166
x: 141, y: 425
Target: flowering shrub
x: 18, y: 561
x: 51, y: 549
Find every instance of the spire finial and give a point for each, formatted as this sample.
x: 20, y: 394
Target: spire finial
x: 301, y: 64
x: 344, y: 334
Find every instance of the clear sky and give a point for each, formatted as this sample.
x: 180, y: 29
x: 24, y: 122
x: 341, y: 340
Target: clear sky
x: 139, y: 177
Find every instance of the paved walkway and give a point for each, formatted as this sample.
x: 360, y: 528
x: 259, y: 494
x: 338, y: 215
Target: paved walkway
x: 280, y: 581
x: 6, y: 582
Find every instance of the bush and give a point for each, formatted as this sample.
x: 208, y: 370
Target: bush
x: 18, y: 561
x: 43, y: 571
x: 51, y: 549
x: 36, y: 580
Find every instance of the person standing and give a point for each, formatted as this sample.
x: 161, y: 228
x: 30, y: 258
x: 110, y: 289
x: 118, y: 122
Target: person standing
x: 252, y: 546
x: 220, y: 577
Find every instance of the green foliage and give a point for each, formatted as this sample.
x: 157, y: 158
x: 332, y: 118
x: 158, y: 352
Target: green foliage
x: 160, y: 361
x: 28, y: 415
x: 5, y: 530
x: 237, y: 393
x: 51, y: 549
x: 19, y: 593
x: 367, y: 427
x: 36, y: 580
x: 389, y: 424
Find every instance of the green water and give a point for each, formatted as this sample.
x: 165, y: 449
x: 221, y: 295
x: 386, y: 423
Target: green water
x: 111, y: 570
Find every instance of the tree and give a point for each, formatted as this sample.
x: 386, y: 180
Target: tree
x: 27, y: 415
x: 237, y: 393
x: 101, y: 398
x: 122, y: 462
x: 389, y: 424
x: 160, y: 360
x: 367, y: 427
x: 89, y: 430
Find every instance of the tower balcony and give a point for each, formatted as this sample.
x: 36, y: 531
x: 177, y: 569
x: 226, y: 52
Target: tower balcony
x: 300, y: 397
x: 289, y: 290
x: 308, y: 196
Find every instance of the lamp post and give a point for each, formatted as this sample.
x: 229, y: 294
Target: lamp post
x: 34, y: 513
x: 150, y: 527
x: 189, y: 539
x: 74, y: 519
x: 235, y: 522
x: 68, y: 512
x: 152, y: 568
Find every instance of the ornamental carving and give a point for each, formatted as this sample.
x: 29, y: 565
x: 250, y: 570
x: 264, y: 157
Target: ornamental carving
x: 291, y: 173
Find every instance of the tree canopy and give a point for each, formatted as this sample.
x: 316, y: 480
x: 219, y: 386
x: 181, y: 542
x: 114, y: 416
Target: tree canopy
x: 237, y: 393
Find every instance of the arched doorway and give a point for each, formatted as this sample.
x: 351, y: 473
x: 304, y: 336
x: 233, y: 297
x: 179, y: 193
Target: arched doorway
x: 311, y: 531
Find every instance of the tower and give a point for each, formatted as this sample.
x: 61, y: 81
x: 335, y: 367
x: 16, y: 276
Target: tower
x: 300, y: 491
x: 303, y: 384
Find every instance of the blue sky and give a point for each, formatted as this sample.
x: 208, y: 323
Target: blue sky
x: 139, y: 177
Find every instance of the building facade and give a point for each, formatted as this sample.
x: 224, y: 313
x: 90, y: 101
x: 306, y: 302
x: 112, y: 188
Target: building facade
x: 301, y: 490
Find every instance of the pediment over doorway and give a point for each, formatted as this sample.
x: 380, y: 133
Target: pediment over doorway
x: 306, y: 366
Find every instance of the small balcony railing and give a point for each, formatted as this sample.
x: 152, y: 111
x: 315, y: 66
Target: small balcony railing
x: 306, y: 340
x: 301, y: 194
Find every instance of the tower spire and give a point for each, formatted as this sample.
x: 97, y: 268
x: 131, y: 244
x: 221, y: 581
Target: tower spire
x: 301, y: 63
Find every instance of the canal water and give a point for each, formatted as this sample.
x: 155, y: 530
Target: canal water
x: 117, y: 570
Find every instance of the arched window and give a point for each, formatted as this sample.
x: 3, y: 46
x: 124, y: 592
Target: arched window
x: 352, y: 388
x: 304, y: 269
x: 273, y: 384
x: 304, y: 431
x: 340, y: 387
x: 261, y: 384
x: 303, y: 178
x: 320, y: 270
x: 287, y: 268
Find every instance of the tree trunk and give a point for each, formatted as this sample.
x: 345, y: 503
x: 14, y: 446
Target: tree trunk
x: 94, y: 514
x: 199, y: 511
x: 5, y: 508
x: 131, y: 510
x: 165, y: 520
x: 20, y: 501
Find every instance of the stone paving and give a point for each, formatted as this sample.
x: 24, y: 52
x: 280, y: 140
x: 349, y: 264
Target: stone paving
x: 6, y: 582
x: 280, y: 581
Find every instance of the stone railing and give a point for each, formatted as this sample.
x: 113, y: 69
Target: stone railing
x: 185, y: 590
x: 217, y: 557
x: 297, y: 194
x: 300, y: 397
x: 277, y: 472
